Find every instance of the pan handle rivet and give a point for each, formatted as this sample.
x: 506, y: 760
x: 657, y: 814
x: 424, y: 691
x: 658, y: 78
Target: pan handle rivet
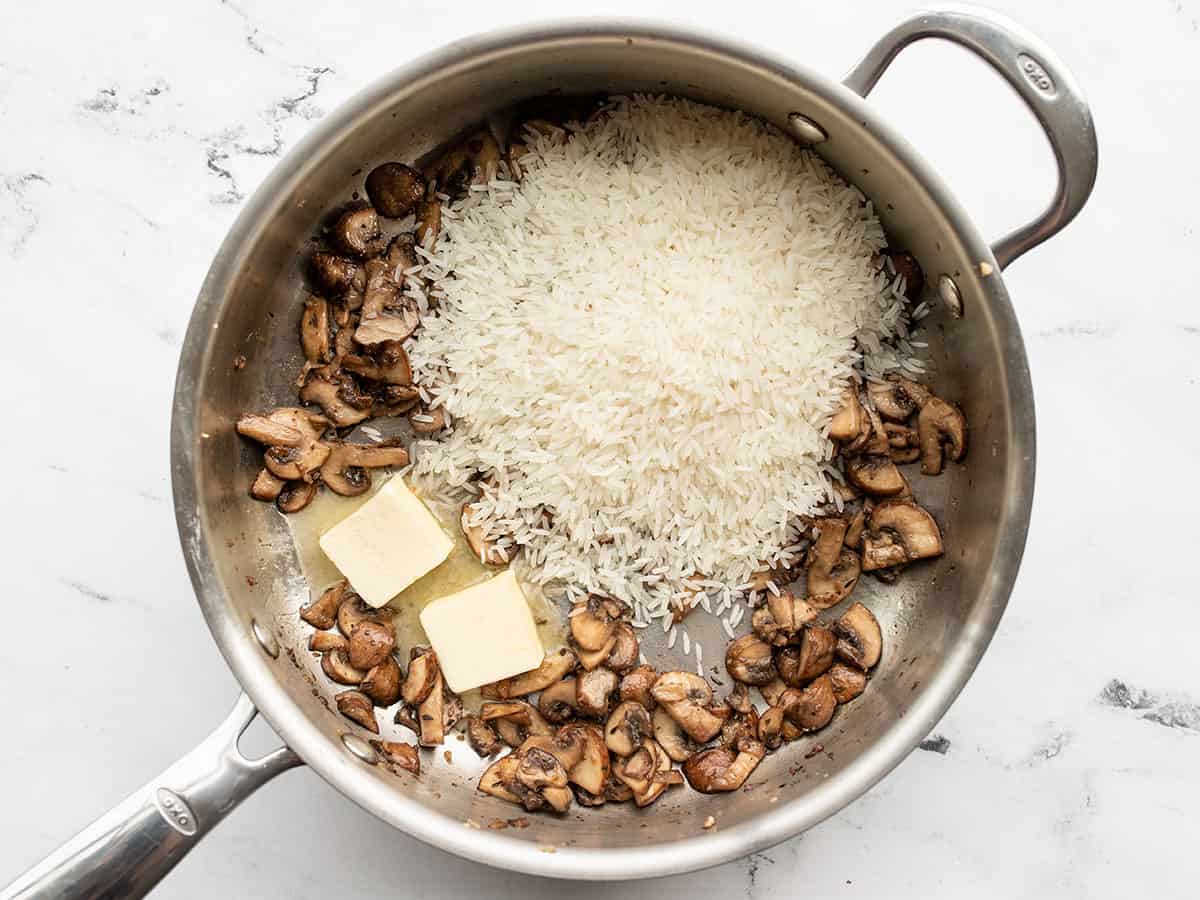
x: 265, y: 639
x: 360, y: 748
x: 951, y: 295
x: 806, y: 129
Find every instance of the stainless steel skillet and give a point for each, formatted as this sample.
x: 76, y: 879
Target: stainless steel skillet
x: 937, y: 621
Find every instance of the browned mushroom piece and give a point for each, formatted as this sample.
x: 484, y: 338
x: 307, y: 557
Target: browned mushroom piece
x: 482, y: 737
x: 395, y: 189
x: 385, y: 361
x: 773, y: 691
x: 594, y: 691
x: 847, y: 682
x: 387, y: 313
x: 357, y: 232
x: 484, y: 153
x: 783, y: 616
x: 339, y: 396
x: 292, y: 436
x: 742, y: 724
x: 357, y: 707
x: 770, y: 727
x: 860, y: 641
x: 320, y: 641
x: 647, y: 772
x: 315, y: 332
x: 555, y: 667
x: 899, y: 532
x: 382, y: 681
x: 627, y: 726
x: 897, y: 398
x: 900, y: 437
x: 427, y: 420
x: 336, y: 665
x: 940, y: 424
x: 399, y: 754
x: 295, y: 496
x: 515, y: 721
x: 322, y: 612
x: 724, y: 769
x: 353, y: 610
x: 812, y: 707
x: 266, y: 487
x: 854, y: 531
x: 370, y: 644
x: 875, y: 475
x: 586, y: 745
x: 345, y: 471
x: 498, y: 777
x: 625, y: 652
x: 687, y: 698
x: 800, y: 665
x: 429, y: 221
x: 483, y: 547
x: 431, y: 715
x: 850, y: 419
x: 671, y: 737
x: 636, y: 685
x: 748, y: 659
x: 335, y: 275
x: 557, y: 703
x: 832, y: 570
x: 540, y: 780
x: 422, y: 676
x: 593, y: 621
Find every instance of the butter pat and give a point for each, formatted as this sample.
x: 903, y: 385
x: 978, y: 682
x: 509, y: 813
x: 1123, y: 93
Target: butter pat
x: 483, y: 633
x: 387, y: 543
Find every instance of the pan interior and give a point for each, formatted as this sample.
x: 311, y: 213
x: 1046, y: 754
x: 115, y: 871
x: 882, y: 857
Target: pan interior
x: 936, y: 620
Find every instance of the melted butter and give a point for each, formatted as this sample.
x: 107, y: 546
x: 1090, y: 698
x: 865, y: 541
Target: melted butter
x: 461, y: 569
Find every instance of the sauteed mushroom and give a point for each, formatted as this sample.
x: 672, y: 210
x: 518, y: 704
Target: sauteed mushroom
x: 385, y: 361
x: 356, y: 707
x: 554, y: 668
x: 557, y: 703
x: 624, y: 654
x: 394, y: 189
x: 295, y: 496
x: 687, y: 697
x: 382, y: 682
x: 541, y: 781
x: 429, y: 221
x: 832, y: 569
x: 482, y: 737
x: 336, y: 664
x: 899, y: 532
x: 876, y: 475
x: 404, y: 756
x: 315, y: 332
x: 428, y: 420
x: 594, y: 690
x: 627, y: 726
x: 322, y: 612
x: 800, y: 665
x: 849, y: 421
x: 812, y: 707
x: 860, y: 641
x: 345, y: 470
x: 320, y: 641
x: 357, y: 232
x: 847, y: 682
x: 592, y: 767
x: 353, y: 610
x: 266, y: 486
x: 370, y: 644
x: 940, y: 423
x: 748, y: 659
x: 647, y: 772
x: 338, y: 395
x: 336, y: 275
x: 499, y: 776
x: 593, y: 621
x: 515, y: 721
x: 671, y: 736
x: 483, y: 547
x: 421, y: 678
x: 785, y: 613
x: 637, y: 685
x: 431, y: 715
x: 724, y: 768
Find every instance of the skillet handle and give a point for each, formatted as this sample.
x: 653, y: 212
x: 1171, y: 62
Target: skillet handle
x: 1037, y: 75
x: 126, y: 852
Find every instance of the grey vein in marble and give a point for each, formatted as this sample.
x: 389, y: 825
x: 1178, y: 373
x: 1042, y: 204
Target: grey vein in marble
x: 18, y: 216
x: 1178, y: 713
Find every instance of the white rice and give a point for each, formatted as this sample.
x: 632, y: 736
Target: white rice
x: 647, y: 336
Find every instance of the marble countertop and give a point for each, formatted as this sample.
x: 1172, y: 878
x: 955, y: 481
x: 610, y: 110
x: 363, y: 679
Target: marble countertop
x: 132, y: 131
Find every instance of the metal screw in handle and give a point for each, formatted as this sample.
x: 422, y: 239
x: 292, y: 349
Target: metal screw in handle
x: 1041, y: 80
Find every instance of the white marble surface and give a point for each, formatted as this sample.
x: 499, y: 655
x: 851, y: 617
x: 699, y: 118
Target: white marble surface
x: 130, y: 132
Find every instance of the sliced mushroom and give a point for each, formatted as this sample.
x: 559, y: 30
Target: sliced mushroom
x: 336, y: 664
x: 724, y: 768
x: 338, y: 395
x: 687, y: 698
x: 499, y: 776
x: 848, y: 422
x: 636, y: 685
x: 382, y: 681
x: 593, y: 621
x: 322, y: 612
x: 394, y: 189
x: 266, y: 487
x: 541, y: 781
x: 482, y: 737
x: 345, y: 471
x: 483, y: 547
x: 800, y: 665
x: 748, y: 660
x: 742, y: 724
x: 854, y: 531
x: 832, y: 570
x: 940, y: 423
x: 386, y: 361
x: 320, y: 641
x: 847, y: 682
x: 784, y: 615
x: 357, y: 232
x: 624, y: 654
x: 671, y: 737
x: 357, y: 707
x: 404, y: 756
x: 899, y: 532
x: 876, y: 475
x: 811, y: 708
x: 422, y: 677
x: 295, y: 496
x: 370, y: 643
x: 860, y: 642
x: 557, y: 703
x: 335, y: 275
x: 591, y: 659
x: 893, y: 400
x: 294, y: 459
x: 592, y: 769
x: 773, y: 691
x: 315, y: 333
x: 395, y: 400
x: 269, y: 431
x: 627, y: 727
x: 647, y: 773
x: 770, y: 727
x: 907, y: 267
x: 484, y: 153
x: 429, y: 221
x: 554, y: 667
x: 515, y: 721
x: 594, y: 690
x: 431, y: 716
x: 353, y: 610
x: 426, y: 420
x: 387, y: 313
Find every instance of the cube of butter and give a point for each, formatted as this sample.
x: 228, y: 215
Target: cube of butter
x: 387, y: 543
x: 483, y: 633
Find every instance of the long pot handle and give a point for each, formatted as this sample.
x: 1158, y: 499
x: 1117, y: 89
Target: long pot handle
x: 126, y: 852
x: 1042, y: 81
